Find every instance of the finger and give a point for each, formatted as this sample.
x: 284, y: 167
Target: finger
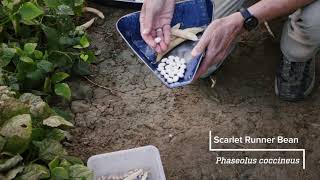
x: 149, y: 40
x: 207, y: 62
x: 162, y: 45
x: 153, y: 34
x: 201, y: 45
x: 158, y: 49
x: 148, y: 19
x: 167, y: 33
x: 142, y: 17
x: 146, y: 37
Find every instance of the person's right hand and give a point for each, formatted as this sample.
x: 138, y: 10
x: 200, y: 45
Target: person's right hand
x: 155, y: 20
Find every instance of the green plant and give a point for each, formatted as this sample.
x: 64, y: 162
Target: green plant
x: 41, y: 45
x: 30, y: 136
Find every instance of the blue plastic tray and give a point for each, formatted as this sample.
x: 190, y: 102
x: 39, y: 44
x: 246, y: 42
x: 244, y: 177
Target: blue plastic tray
x: 192, y: 13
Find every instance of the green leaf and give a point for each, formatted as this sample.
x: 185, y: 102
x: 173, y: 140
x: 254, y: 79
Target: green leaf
x: 29, y: 48
x: 38, y: 108
x: 30, y: 22
x: 54, y: 163
x: 10, y: 163
x: 58, y: 77
x: 59, y: 173
x: 84, y: 43
x: 35, y: 172
x: 64, y: 10
x: 19, y: 51
x: 61, y: 60
x: 84, y: 57
x: 29, y: 11
x: 73, y: 160
x: 14, y: 172
x: 26, y: 59
x: 78, y: 171
x: 65, y: 114
x: 8, y: 4
x: 52, y: 36
x: 7, y: 55
x: 52, y: 3
x: 36, y: 75
x: 62, y: 89
x: 66, y: 164
x: 78, y: 2
x: 38, y: 54
x: 12, y: 107
x: 58, y: 134
x: 45, y: 65
x: 68, y: 41
x: 91, y: 57
x: 49, y: 149
x: 56, y: 121
x: 17, y: 131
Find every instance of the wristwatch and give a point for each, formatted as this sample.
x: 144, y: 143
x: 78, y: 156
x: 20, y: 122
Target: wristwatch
x: 250, y: 22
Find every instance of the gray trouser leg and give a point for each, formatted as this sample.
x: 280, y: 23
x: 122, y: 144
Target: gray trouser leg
x: 222, y: 8
x: 301, y: 34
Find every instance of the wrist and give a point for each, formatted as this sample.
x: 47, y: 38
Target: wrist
x: 237, y: 20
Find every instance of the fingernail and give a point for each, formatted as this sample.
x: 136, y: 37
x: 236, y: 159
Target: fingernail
x: 145, y: 31
x: 194, y: 53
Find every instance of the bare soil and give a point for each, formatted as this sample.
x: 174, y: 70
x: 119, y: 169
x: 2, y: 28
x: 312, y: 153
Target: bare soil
x: 141, y: 111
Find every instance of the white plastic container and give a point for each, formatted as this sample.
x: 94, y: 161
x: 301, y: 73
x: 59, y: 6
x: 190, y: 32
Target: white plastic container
x: 120, y: 162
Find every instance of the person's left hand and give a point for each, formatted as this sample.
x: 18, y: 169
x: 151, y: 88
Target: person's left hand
x: 217, y: 40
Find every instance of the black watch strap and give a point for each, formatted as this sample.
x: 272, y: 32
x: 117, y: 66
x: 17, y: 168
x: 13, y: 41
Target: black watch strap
x: 250, y: 22
x: 245, y: 13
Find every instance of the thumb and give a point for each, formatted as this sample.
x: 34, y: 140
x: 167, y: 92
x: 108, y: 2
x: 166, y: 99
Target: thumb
x: 201, y: 46
x: 148, y: 20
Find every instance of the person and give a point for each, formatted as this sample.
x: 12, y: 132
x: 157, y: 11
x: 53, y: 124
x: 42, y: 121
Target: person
x: 300, y: 40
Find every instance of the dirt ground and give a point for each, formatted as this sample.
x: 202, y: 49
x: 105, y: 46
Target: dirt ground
x: 141, y: 111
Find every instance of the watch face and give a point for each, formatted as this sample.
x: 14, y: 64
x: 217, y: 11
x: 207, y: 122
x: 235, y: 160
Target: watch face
x: 251, y: 23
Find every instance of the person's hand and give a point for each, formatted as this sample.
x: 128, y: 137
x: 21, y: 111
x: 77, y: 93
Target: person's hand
x: 155, y: 20
x: 217, y: 40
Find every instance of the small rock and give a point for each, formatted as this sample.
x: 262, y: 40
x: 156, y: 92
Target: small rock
x: 80, y: 90
x: 97, y: 53
x: 67, y: 144
x: 79, y: 106
x: 86, y: 142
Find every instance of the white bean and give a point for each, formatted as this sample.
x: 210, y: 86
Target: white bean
x: 180, y: 74
x: 160, y: 68
x: 175, y: 79
x: 170, y: 80
x: 171, y: 74
x: 164, y: 60
x: 162, y: 65
x: 157, y: 40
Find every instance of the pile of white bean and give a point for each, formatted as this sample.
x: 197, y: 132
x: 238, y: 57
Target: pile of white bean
x: 172, y: 68
x: 137, y: 174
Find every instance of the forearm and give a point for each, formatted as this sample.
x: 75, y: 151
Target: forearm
x: 269, y: 9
